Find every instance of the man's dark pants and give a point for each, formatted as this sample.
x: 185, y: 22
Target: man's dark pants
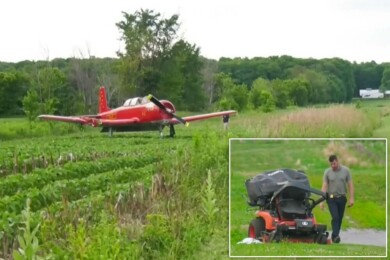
x: 336, y: 208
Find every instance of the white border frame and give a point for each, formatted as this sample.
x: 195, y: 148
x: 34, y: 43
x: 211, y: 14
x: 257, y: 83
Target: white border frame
x: 306, y: 139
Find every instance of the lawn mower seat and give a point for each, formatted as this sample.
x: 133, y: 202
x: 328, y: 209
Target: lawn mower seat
x: 291, y: 203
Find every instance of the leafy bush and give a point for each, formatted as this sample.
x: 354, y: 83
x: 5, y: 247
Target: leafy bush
x: 157, y: 237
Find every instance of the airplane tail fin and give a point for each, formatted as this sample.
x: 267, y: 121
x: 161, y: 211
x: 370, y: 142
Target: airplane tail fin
x: 103, y: 107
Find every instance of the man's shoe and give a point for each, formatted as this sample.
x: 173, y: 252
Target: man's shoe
x: 336, y: 240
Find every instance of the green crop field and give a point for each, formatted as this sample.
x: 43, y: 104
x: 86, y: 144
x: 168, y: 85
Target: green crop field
x: 74, y: 193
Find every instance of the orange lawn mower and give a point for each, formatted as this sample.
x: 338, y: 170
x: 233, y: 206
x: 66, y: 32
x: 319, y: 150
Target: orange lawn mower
x: 285, y: 208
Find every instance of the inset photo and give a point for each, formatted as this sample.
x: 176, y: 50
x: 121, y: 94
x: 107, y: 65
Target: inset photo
x: 315, y: 197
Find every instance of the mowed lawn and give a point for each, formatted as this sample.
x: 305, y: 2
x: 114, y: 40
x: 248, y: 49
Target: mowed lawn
x: 365, y: 158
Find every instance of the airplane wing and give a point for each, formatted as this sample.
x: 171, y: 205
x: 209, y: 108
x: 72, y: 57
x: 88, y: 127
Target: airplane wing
x: 202, y: 116
x: 90, y: 120
x: 69, y: 119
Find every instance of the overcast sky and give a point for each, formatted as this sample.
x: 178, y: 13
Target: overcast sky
x: 355, y: 30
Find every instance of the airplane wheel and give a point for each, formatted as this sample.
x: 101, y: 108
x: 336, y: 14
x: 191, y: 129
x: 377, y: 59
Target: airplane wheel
x: 172, y: 131
x: 256, y: 228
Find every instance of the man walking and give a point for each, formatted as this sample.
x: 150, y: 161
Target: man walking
x: 335, y: 181
x: 225, y: 119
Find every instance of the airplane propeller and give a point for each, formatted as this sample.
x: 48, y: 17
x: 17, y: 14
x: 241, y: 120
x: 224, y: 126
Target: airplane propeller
x: 162, y: 107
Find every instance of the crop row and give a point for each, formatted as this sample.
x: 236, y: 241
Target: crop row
x: 69, y: 190
x: 40, y: 177
x: 88, y: 204
x: 23, y: 162
x: 49, y: 147
x: 96, y: 199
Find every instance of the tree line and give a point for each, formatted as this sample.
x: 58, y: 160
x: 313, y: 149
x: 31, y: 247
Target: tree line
x: 156, y: 60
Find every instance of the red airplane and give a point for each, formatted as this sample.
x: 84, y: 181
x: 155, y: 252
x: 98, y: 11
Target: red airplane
x: 136, y: 114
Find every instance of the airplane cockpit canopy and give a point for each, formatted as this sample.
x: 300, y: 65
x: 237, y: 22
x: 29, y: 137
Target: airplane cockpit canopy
x: 135, y: 101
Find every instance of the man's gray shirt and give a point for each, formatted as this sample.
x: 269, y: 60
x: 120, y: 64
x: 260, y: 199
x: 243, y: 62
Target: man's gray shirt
x: 337, y: 180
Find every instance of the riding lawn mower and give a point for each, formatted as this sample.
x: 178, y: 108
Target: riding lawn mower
x: 283, y: 199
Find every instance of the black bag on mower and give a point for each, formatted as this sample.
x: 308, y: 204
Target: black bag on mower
x: 261, y: 187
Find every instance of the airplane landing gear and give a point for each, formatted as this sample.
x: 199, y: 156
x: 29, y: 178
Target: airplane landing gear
x: 110, y: 132
x: 160, y: 129
x: 172, y: 131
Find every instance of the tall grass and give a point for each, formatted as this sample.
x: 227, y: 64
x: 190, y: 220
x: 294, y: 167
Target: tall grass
x: 333, y: 121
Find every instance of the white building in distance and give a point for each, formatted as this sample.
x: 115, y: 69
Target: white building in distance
x: 372, y: 93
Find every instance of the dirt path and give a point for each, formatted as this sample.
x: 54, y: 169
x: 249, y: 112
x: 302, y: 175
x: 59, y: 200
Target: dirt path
x: 363, y: 237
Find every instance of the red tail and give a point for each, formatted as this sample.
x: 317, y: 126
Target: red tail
x: 103, y: 101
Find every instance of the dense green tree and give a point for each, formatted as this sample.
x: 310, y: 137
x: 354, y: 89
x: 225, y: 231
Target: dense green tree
x: 225, y: 103
x: 171, y: 69
x: 254, y: 97
x: 280, y: 93
x: 187, y: 62
x: 298, y: 91
x: 385, y: 82
x: 171, y: 83
x: 233, y: 95
x: 239, y: 94
x: 53, y: 90
x: 285, y: 63
x: 13, y: 86
x: 194, y: 95
x: 336, y: 72
x: 154, y: 62
x: 335, y: 90
x: 49, y: 80
x: 6, y: 66
x: 317, y: 84
x: 223, y: 85
x: 243, y: 71
x: 222, y: 82
x: 258, y: 86
x: 367, y: 75
x: 31, y: 105
x: 262, y: 84
x: 273, y: 68
x: 284, y: 92
x: 267, y: 101
x: 148, y: 38
x: 340, y: 76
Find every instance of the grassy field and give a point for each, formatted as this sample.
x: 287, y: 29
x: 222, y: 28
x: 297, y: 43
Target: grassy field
x: 365, y: 158
x: 136, y: 196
